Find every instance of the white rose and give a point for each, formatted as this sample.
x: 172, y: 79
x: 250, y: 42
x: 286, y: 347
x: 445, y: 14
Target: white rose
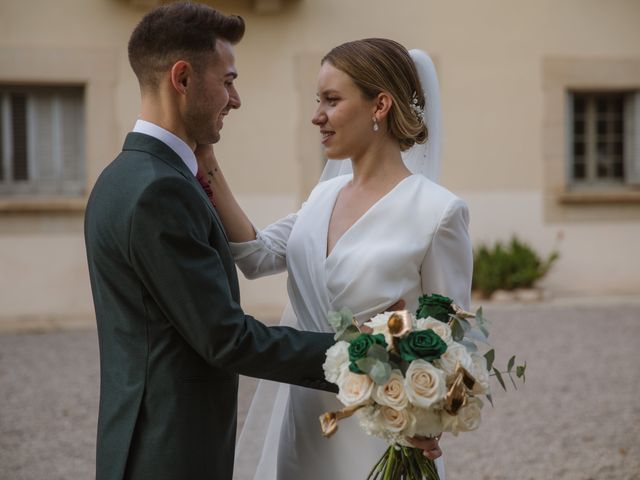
x: 442, y: 329
x: 355, y: 388
x: 397, y: 421
x: 428, y: 421
x: 337, y: 358
x: 467, y: 419
x: 455, y: 353
x: 481, y: 375
x: 392, y: 393
x: 424, y: 384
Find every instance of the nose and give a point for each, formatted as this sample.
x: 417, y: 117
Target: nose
x: 319, y: 117
x: 234, y: 98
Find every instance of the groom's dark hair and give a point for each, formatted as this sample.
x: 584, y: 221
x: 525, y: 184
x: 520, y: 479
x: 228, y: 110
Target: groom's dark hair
x: 179, y: 31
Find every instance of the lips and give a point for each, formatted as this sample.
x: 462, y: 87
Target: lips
x: 326, y: 135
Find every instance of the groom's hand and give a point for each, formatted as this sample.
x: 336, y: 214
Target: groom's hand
x: 429, y: 446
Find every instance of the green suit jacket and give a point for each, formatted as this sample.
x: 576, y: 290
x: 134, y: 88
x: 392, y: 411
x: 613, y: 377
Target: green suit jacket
x: 173, y: 337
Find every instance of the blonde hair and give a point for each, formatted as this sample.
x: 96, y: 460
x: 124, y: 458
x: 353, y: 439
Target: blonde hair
x: 380, y: 65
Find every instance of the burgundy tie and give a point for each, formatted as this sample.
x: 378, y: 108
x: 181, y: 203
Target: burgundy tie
x: 205, y: 185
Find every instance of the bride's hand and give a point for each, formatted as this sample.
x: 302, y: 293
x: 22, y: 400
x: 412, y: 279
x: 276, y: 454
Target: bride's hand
x: 429, y: 446
x: 206, y: 157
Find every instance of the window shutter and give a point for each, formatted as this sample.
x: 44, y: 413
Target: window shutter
x: 40, y: 137
x: 632, y: 139
x: 2, y: 140
x: 19, y: 136
x: 72, y: 147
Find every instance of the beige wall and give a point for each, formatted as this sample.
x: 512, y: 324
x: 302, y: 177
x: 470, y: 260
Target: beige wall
x: 490, y: 57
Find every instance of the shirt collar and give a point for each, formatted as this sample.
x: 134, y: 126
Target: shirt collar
x: 172, y: 141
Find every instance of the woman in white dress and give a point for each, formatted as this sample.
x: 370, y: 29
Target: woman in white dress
x: 361, y: 240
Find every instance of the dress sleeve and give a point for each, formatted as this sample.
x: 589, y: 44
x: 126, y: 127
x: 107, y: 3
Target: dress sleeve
x: 267, y: 254
x: 447, y: 267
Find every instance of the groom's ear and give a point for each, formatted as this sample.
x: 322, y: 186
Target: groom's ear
x: 383, y: 104
x: 180, y: 76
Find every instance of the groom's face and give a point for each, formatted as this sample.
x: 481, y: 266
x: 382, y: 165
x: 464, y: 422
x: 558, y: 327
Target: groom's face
x: 213, y: 96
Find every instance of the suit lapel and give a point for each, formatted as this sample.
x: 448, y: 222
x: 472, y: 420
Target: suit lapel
x: 146, y: 143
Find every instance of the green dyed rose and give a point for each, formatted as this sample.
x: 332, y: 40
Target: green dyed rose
x: 435, y: 306
x: 360, y: 346
x: 422, y: 344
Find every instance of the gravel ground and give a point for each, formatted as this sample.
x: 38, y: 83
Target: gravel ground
x: 576, y: 418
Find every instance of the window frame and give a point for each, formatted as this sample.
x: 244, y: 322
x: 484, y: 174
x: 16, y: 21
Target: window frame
x: 96, y: 70
x: 629, y: 134
x: 561, y: 75
x: 65, y: 182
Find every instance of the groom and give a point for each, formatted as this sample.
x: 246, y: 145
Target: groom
x: 173, y: 337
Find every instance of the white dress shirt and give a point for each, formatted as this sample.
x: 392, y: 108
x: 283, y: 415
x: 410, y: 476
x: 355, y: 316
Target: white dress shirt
x: 172, y: 141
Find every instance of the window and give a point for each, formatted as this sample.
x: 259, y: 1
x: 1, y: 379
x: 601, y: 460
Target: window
x: 604, y: 139
x: 42, y: 137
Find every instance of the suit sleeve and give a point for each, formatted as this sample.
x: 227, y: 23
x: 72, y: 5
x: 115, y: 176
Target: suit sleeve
x: 171, y: 251
x: 447, y: 268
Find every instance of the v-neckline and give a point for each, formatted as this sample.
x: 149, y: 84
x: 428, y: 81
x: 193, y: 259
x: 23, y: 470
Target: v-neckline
x: 327, y: 253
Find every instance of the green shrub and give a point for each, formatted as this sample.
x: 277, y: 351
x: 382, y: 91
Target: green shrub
x: 507, y: 267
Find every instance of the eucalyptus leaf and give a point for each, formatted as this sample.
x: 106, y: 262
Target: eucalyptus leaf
x: 335, y: 320
x: 512, y: 361
x: 378, y: 371
x: 499, y: 377
x: 466, y: 326
x: 490, y: 398
x: 482, y: 323
x: 349, y: 334
x: 340, y: 321
x: 457, y: 332
x: 512, y: 381
x: 470, y: 346
x: 478, y: 335
x: 378, y: 352
x: 490, y: 356
x: 484, y: 330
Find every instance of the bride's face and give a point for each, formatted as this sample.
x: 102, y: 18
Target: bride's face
x: 344, y: 115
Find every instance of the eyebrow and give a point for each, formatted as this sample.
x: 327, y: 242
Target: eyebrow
x: 327, y: 92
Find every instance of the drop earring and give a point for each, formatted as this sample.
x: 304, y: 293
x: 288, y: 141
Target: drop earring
x: 375, y: 124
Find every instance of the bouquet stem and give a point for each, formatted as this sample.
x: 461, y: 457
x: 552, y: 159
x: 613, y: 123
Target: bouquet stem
x: 403, y: 463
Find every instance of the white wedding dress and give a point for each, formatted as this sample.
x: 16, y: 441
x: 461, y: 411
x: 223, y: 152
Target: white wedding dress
x: 413, y: 241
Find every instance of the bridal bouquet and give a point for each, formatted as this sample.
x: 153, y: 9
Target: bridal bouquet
x: 412, y: 376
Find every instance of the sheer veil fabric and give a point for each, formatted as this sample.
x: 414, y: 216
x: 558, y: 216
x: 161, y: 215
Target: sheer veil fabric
x: 257, y: 452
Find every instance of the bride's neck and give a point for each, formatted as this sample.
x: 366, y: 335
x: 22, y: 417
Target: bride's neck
x: 382, y: 164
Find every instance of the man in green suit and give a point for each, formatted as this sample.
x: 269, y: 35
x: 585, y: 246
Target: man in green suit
x: 173, y: 337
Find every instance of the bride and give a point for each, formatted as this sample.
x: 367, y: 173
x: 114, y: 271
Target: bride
x: 377, y: 228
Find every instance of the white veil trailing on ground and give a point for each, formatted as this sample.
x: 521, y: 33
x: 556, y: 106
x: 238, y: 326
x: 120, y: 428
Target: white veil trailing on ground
x: 421, y: 158
x: 269, y: 405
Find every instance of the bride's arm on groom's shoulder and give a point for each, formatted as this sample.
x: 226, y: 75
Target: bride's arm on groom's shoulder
x: 447, y: 268
x: 257, y: 252
x: 236, y: 223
